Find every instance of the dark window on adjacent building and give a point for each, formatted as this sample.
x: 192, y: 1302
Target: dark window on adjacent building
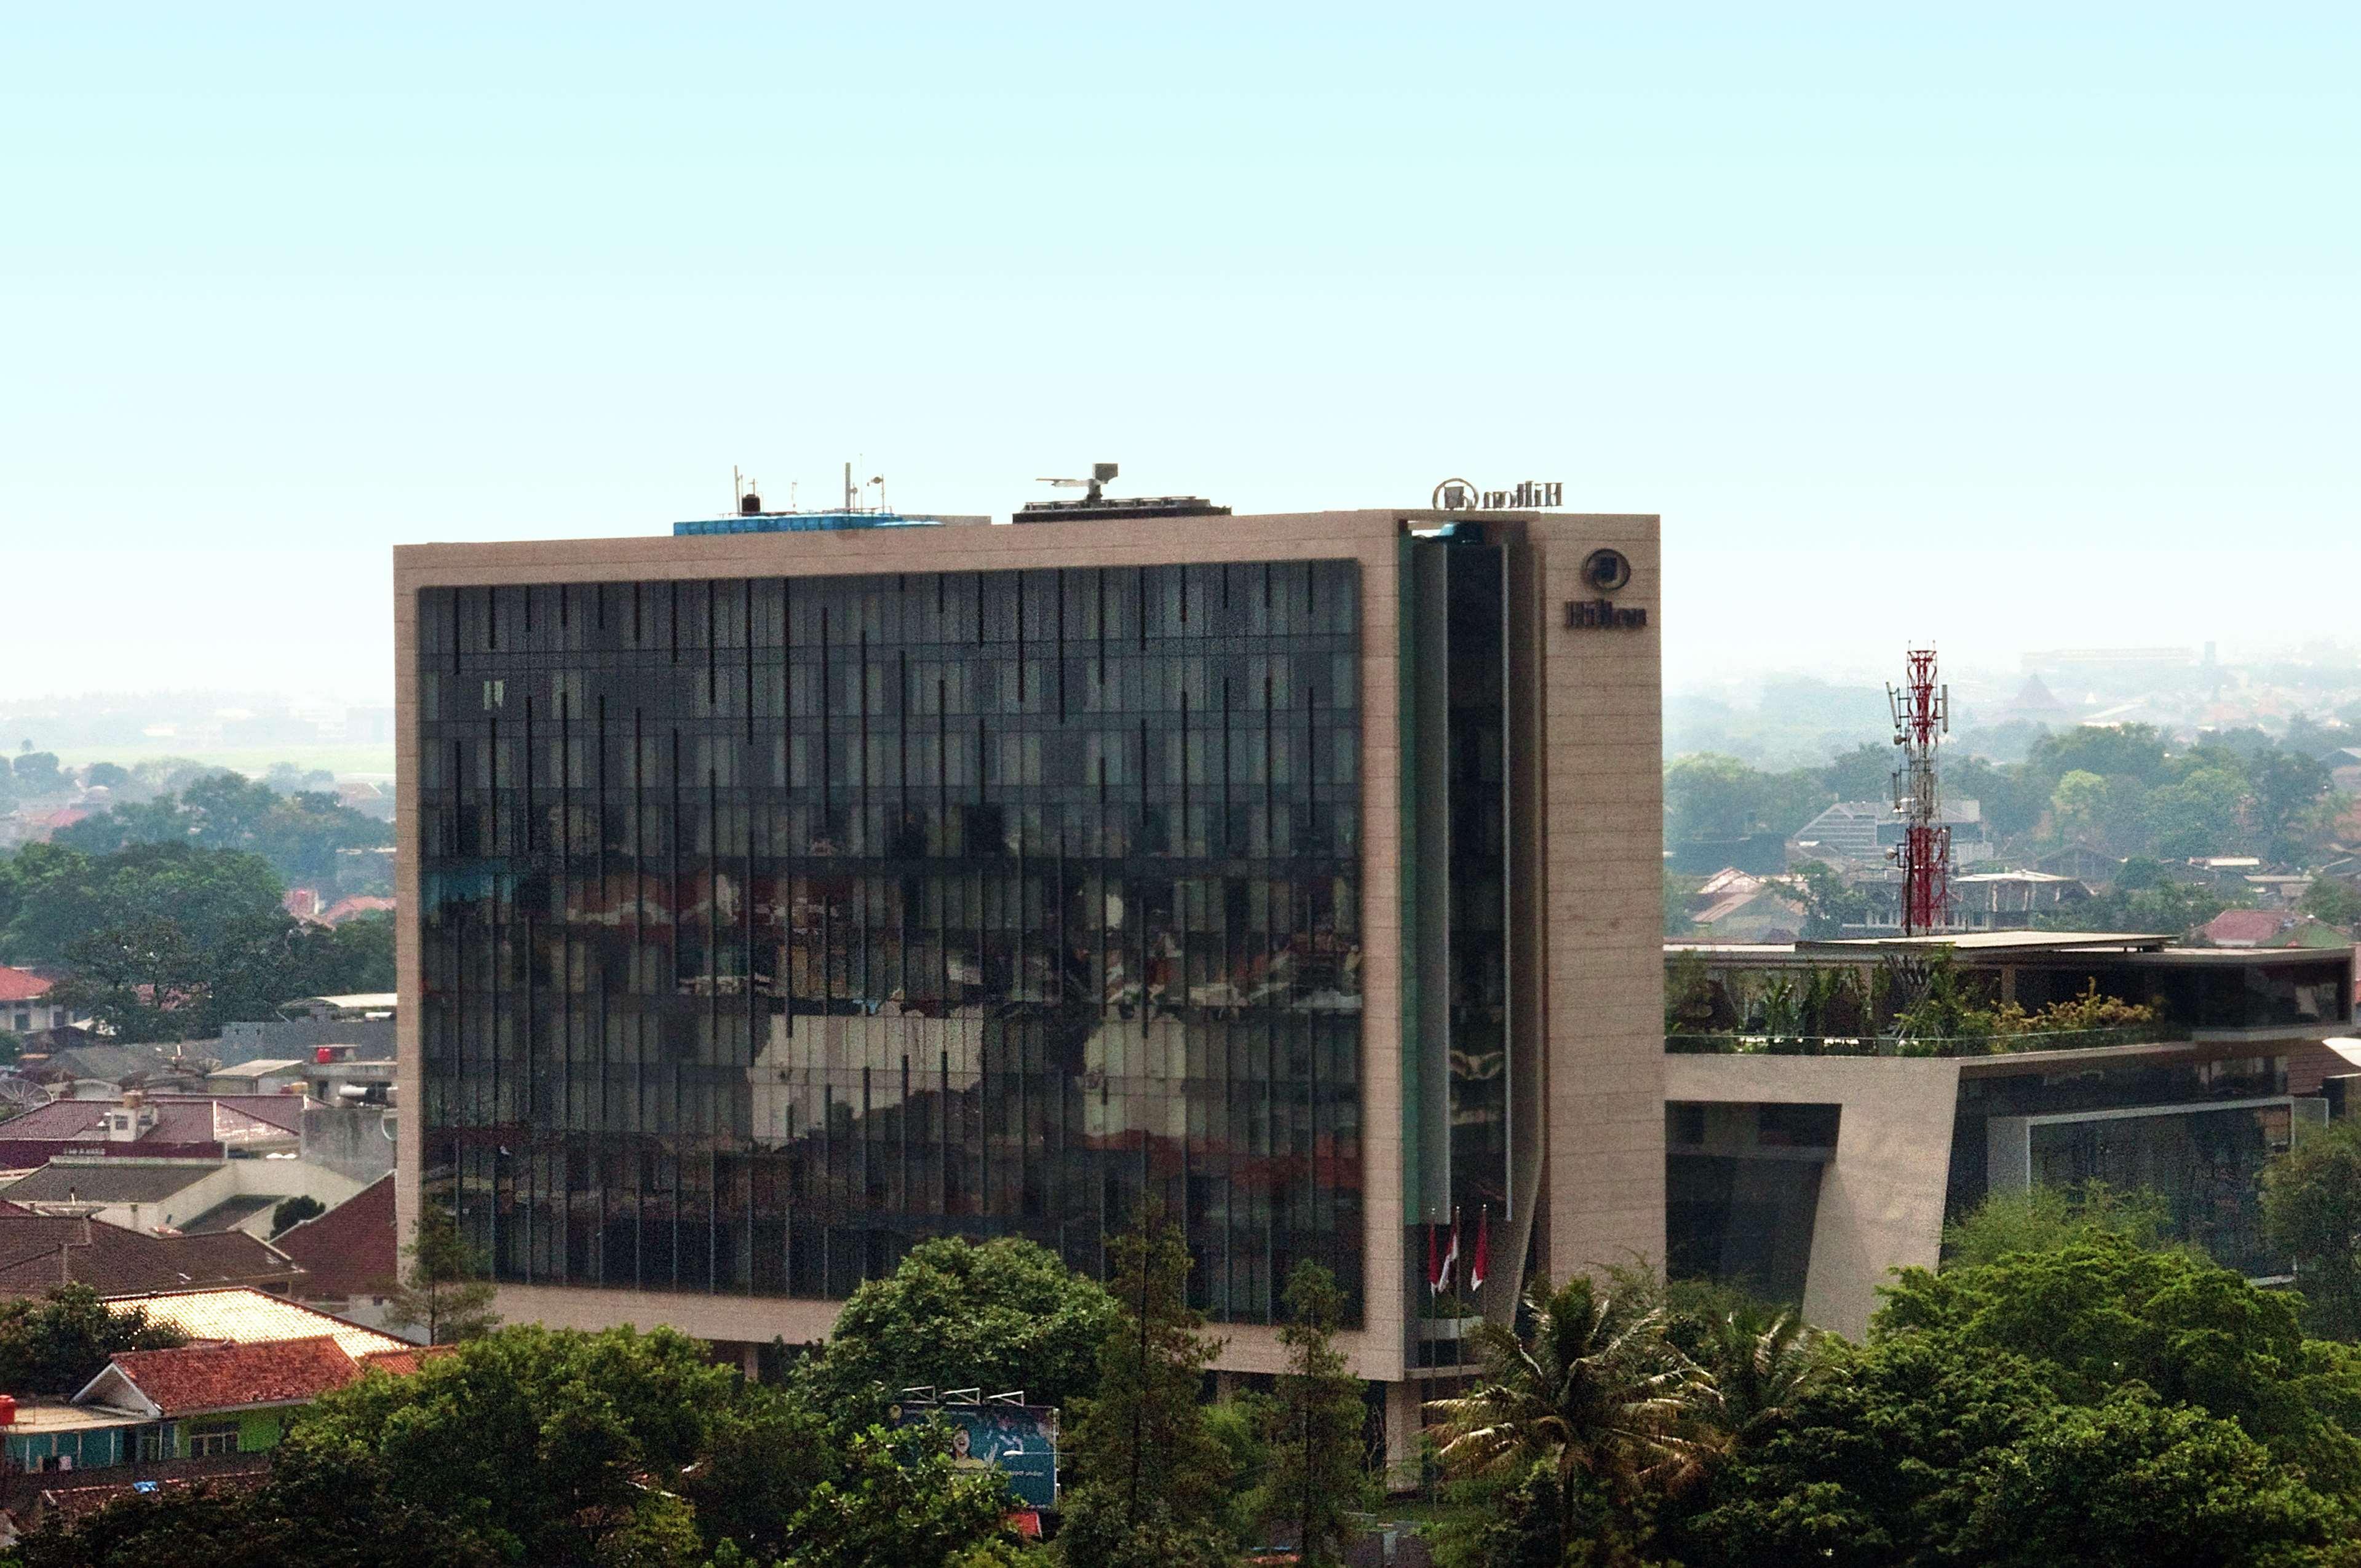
x: 769, y: 927
x: 207, y: 1438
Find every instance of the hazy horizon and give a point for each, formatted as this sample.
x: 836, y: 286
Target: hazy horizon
x: 2009, y: 330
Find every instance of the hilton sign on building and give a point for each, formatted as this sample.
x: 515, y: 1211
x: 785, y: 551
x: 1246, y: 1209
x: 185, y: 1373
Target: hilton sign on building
x: 783, y: 893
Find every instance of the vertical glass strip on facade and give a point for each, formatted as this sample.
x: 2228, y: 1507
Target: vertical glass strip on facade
x: 1478, y: 804
x: 770, y: 926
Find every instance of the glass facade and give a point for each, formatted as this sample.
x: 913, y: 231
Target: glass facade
x: 770, y: 926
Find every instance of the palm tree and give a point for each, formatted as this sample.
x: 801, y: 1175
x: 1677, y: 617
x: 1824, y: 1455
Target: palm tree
x: 1760, y: 1369
x: 1597, y: 1393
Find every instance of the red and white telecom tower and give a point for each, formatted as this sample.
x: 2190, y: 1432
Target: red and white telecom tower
x: 1922, y: 716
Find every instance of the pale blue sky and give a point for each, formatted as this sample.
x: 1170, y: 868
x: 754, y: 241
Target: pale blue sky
x: 2055, y: 315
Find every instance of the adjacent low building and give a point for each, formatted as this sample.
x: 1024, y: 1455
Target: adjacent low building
x: 1808, y: 1163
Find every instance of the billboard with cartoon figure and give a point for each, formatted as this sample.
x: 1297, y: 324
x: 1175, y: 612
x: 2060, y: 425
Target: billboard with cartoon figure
x: 1019, y: 1441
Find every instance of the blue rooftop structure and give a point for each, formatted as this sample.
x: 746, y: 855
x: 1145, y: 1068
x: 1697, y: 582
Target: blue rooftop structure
x: 805, y: 523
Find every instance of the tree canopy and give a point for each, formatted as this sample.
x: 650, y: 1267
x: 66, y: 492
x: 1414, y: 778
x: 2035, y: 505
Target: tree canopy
x: 560, y: 1448
x: 301, y: 834
x: 169, y: 941
x: 997, y: 1315
x: 55, y: 1344
x: 2079, y: 1402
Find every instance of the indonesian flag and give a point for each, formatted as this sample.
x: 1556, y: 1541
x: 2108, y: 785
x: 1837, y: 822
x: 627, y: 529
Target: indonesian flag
x: 1475, y: 1265
x: 1434, y: 1264
x: 1450, y: 1266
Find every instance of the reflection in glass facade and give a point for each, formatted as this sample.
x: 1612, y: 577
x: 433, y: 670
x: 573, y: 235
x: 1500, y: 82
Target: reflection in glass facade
x: 772, y: 926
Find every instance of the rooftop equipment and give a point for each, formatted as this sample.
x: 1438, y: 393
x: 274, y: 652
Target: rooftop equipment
x: 1095, y: 506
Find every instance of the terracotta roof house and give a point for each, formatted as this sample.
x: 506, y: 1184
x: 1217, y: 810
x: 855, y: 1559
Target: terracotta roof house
x: 350, y: 1255
x: 191, y: 1127
x: 205, y: 1379
x: 39, y: 1253
x: 354, y: 907
x: 26, y: 1007
x: 2268, y: 928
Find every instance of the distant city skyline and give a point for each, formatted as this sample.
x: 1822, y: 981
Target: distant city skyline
x: 2004, y: 330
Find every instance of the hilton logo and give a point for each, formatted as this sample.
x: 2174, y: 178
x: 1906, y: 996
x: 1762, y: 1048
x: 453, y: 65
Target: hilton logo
x: 1586, y: 615
x: 1604, y: 571
x: 1459, y: 495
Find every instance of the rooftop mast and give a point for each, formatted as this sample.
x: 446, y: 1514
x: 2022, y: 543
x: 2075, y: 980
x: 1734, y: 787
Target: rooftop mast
x: 1922, y: 716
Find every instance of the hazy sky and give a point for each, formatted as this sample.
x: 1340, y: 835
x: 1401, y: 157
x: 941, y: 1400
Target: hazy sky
x: 2047, y: 324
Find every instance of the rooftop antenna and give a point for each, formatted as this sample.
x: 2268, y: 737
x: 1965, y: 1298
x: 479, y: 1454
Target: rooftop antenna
x: 1100, y: 474
x: 1922, y: 716
x: 742, y: 497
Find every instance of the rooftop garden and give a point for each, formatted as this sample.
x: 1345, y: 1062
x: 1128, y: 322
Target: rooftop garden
x: 1903, y: 1007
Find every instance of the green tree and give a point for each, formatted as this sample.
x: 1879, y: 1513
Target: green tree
x: 1865, y: 773
x: 106, y: 776
x: 57, y: 1344
x: 1678, y: 891
x: 2285, y: 787
x: 339, y: 961
x: 2312, y: 1214
x: 37, y: 775
x: 1153, y: 1478
x: 2128, y: 751
x: 1829, y: 906
x: 302, y: 835
x: 997, y: 1315
x: 2338, y: 903
x: 1595, y: 1399
x: 2196, y: 816
x: 1713, y: 796
x: 292, y: 1212
x: 160, y: 941
x: 2077, y: 806
x: 2044, y: 1219
x: 2063, y: 1404
x: 891, y: 1506
x: 551, y: 1447
x: 1317, y: 1476
x: 445, y: 1290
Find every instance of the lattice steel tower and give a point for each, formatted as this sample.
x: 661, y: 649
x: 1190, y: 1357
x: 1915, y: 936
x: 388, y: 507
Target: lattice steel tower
x: 1922, y: 716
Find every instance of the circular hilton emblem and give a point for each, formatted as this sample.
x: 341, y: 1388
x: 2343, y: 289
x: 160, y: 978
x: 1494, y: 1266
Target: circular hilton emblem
x: 1454, y: 495
x: 1605, y: 571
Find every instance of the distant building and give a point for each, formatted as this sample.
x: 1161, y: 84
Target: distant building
x: 26, y: 1004
x: 167, y: 1126
x: 1735, y: 907
x: 2092, y: 868
x: 1861, y: 834
x: 2269, y: 928
x: 193, y: 1196
x: 2008, y: 901
x: 1808, y: 1170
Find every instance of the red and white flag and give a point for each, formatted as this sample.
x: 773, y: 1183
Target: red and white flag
x: 1477, y: 1264
x: 1444, y: 1277
x: 1434, y: 1264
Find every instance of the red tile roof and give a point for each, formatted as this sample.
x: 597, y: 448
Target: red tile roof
x: 199, y: 1377
x: 40, y: 1252
x: 180, y: 1119
x: 351, y: 908
x: 351, y: 1250
x: 401, y: 1363
x: 2247, y: 927
x: 21, y: 985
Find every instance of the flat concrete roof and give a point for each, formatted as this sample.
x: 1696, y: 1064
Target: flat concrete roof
x: 1992, y: 942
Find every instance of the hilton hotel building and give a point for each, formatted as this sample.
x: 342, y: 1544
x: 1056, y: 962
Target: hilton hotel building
x: 782, y: 892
